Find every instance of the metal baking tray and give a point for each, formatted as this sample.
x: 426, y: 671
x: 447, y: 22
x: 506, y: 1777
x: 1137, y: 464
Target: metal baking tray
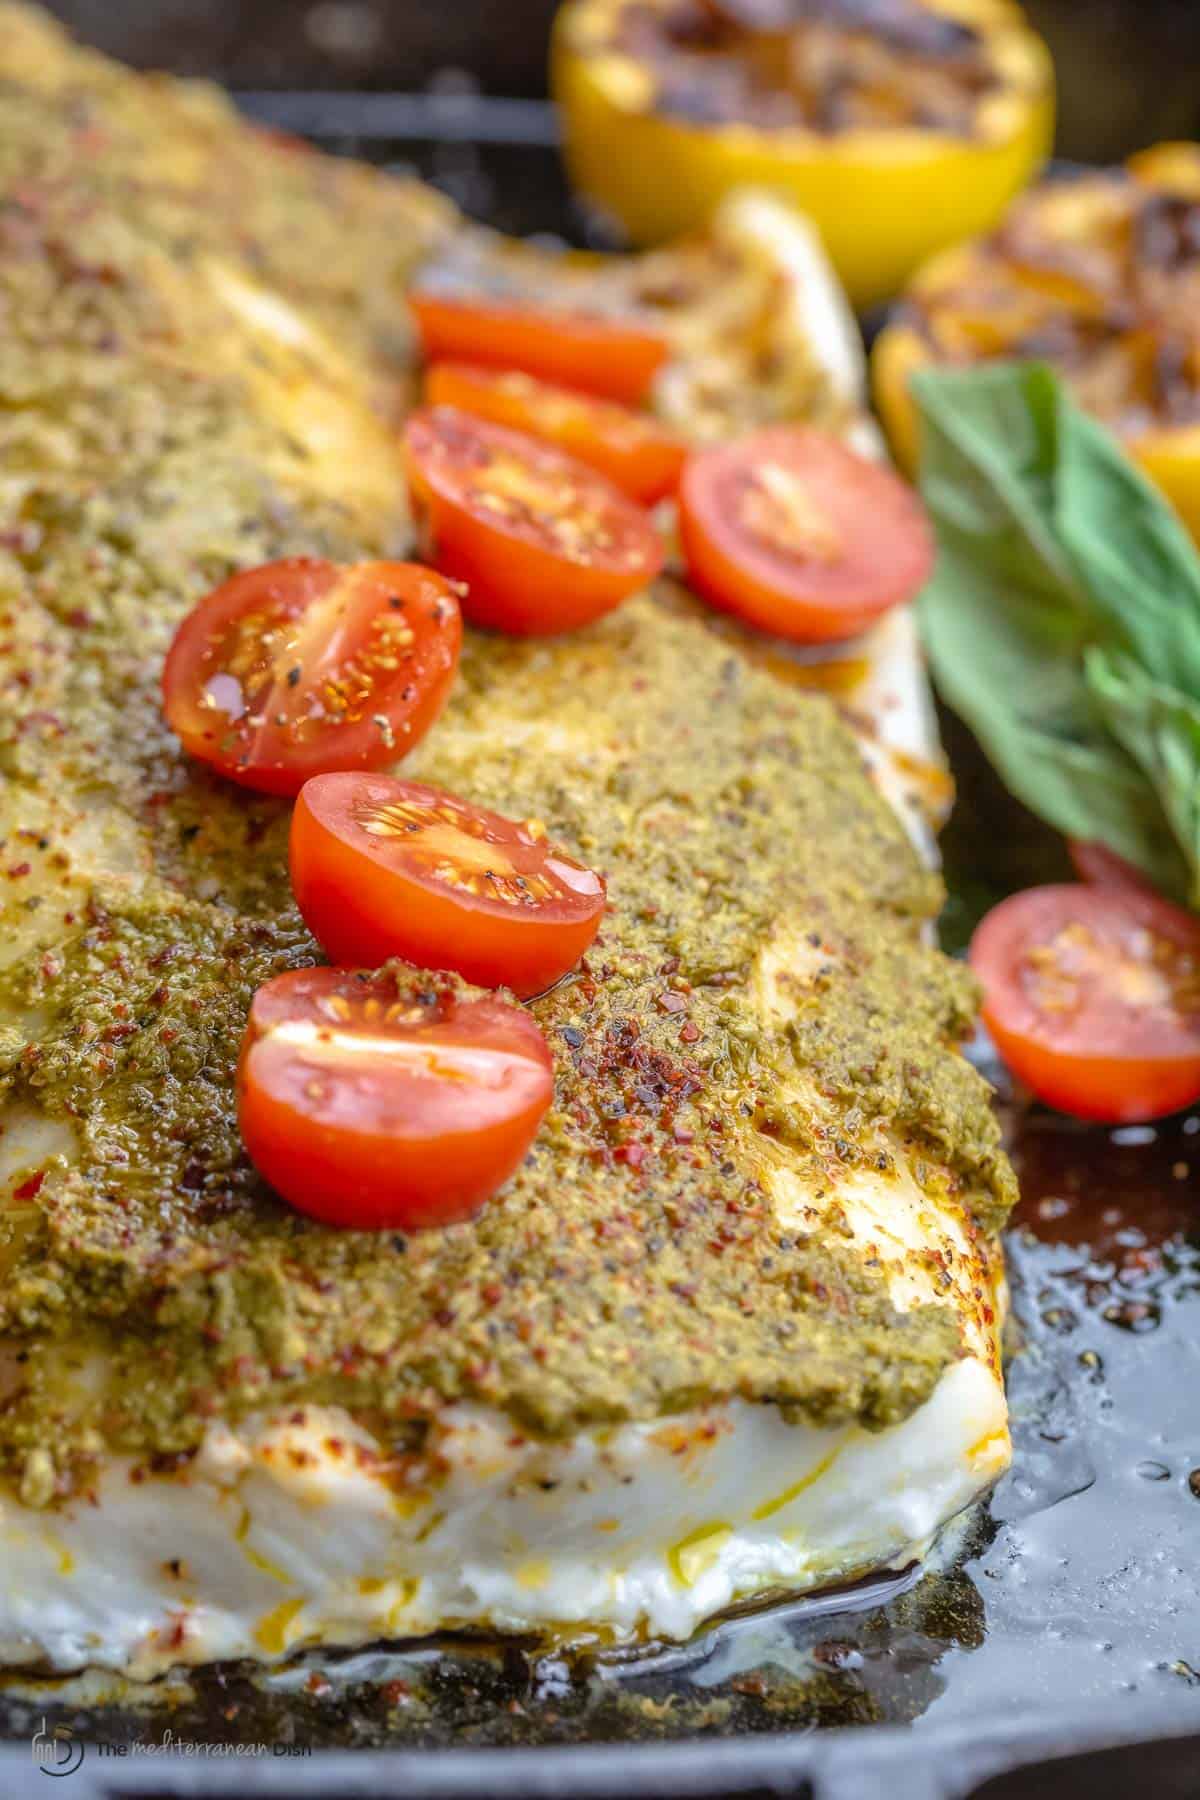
x: 1054, y: 1644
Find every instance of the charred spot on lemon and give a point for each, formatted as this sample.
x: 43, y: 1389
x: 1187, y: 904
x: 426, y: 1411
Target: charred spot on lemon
x: 1094, y: 275
x: 389, y: 1101
x: 541, y: 543
x: 383, y: 868
x: 304, y: 665
x: 896, y: 136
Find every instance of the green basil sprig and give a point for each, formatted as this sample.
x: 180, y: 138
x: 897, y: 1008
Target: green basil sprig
x: 1063, y: 618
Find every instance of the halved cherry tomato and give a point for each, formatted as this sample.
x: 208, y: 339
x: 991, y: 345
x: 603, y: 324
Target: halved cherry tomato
x: 1099, y: 866
x: 542, y: 543
x: 637, y: 454
x: 597, y: 352
x: 384, y: 868
x: 799, y: 535
x: 304, y: 665
x: 1092, y: 995
x: 378, y: 1101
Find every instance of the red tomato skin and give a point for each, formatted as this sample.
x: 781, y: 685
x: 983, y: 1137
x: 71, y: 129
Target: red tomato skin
x: 523, y: 592
x: 634, y: 452
x: 370, y: 1183
x: 745, y: 585
x: 284, y: 773
x: 1111, y: 1094
x: 513, y: 585
x: 1098, y: 866
x: 1103, y: 1084
x: 614, y: 358
x: 372, y: 1179
x: 363, y: 923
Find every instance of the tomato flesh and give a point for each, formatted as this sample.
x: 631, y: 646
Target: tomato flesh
x: 598, y: 353
x: 799, y: 536
x: 385, y: 1102
x: 542, y: 543
x: 1092, y: 996
x: 384, y: 868
x: 637, y: 454
x: 303, y: 665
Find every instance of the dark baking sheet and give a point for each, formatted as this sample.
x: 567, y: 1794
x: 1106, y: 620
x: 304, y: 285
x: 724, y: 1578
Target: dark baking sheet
x: 1063, y: 1617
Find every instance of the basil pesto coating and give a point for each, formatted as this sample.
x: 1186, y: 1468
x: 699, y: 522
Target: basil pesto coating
x: 635, y: 1265
x: 154, y: 438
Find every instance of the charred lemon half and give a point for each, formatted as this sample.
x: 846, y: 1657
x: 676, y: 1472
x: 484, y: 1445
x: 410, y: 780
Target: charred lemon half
x: 898, y: 126
x: 1098, y: 275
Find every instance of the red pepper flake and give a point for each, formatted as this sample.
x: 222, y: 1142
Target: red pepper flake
x: 689, y: 1032
x: 671, y: 1003
x: 43, y: 720
x: 30, y: 1187
x: 18, y: 870
x: 633, y: 1154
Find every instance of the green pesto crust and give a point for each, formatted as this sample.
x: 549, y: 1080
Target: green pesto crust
x: 635, y: 1265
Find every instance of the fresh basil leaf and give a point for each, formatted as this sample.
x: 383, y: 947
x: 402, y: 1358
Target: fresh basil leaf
x: 989, y: 452
x: 1038, y: 724
x: 1160, y: 727
x: 1048, y: 541
x: 1132, y: 555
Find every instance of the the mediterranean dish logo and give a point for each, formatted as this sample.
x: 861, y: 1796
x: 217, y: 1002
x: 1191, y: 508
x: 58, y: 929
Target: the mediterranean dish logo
x: 57, y: 1751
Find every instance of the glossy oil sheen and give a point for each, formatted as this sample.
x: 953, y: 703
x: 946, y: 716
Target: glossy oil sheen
x: 1077, y: 1587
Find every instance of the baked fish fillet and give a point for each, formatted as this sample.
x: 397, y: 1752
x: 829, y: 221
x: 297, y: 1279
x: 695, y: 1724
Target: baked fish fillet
x: 733, y: 1327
